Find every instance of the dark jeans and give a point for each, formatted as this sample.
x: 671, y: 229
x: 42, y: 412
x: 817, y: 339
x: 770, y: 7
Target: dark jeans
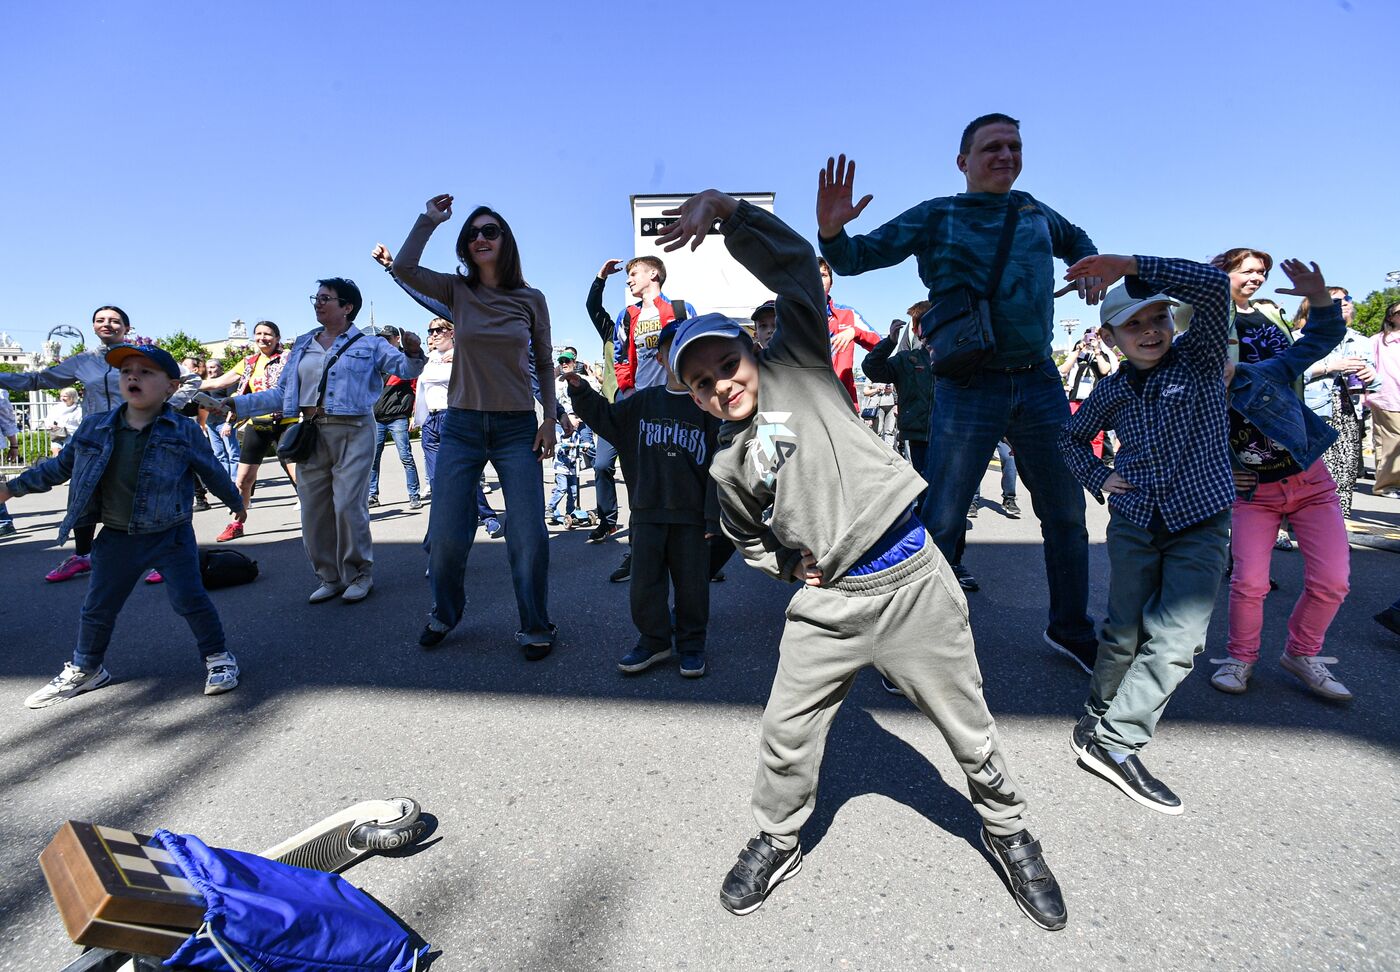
x: 605, y: 481
x: 918, y: 458
x: 430, y: 437
x: 119, y: 560
x: 469, y: 439
x: 1028, y: 408
x: 398, y: 430
x: 5, y: 515
x: 680, y: 552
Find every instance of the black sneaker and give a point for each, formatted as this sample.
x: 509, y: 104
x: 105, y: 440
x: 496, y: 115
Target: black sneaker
x: 414, y: 503
x: 602, y: 531
x: 624, y: 570
x: 718, y: 578
x: 693, y: 664
x: 431, y: 636
x: 761, y: 867
x: 965, y: 579
x: 201, y: 504
x: 1084, y: 654
x: 1389, y: 619
x: 1083, y: 733
x: 540, y: 648
x: 1028, y: 876
x: 1132, y: 778
x: 1009, y: 507
x: 972, y: 510
x: 372, y: 501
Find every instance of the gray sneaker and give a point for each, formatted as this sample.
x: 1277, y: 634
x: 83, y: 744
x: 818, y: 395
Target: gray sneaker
x: 68, y: 683
x: 1312, y: 671
x: 1232, y: 676
x: 223, y: 673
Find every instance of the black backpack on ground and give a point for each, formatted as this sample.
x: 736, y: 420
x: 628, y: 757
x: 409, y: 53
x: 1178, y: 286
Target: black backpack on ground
x: 226, y: 568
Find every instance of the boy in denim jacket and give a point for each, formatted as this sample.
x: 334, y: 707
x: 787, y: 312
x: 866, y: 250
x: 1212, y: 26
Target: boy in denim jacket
x: 132, y: 469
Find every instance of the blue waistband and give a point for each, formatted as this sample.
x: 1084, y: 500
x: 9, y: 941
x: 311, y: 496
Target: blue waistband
x: 898, y: 544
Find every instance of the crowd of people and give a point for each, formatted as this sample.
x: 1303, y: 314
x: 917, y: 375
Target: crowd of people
x: 1206, y: 420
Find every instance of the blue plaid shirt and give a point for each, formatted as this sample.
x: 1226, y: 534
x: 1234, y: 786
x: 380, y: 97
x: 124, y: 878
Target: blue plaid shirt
x: 1173, y: 436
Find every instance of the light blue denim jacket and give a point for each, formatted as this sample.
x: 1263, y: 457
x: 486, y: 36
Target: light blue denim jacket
x: 1263, y: 392
x: 177, y: 449
x: 354, y: 384
x: 1318, y: 391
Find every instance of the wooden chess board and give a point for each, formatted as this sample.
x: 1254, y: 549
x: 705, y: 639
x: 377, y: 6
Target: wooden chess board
x: 119, y: 889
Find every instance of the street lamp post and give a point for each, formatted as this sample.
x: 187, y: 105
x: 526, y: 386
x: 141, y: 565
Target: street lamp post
x: 1393, y: 278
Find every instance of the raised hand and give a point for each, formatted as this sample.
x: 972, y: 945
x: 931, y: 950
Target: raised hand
x: 382, y: 256
x: 411, y: 343
x: 439, y: 208
x: 835, y: 190
x: 695, y: 218
x: 896, y: 326
x: 1098, y: 273
x: 1307, y: 282
x: 610, y: 268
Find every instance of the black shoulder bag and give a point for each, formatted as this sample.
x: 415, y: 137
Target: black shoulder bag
x: 960, y: 325
x: 298, y: 443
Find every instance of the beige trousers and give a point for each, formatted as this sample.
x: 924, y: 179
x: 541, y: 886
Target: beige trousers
x: 1385, y: 431
x: 333, y: 486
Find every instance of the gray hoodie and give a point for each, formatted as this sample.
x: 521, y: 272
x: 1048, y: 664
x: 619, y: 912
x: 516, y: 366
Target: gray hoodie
x: 101, y: 388
x: 834, y: 487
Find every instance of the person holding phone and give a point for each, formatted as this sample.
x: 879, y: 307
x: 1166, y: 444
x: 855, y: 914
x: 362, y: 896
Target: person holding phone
x: 490, y: 416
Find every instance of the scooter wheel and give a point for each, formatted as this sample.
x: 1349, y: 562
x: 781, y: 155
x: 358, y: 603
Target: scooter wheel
x: 391, y: 834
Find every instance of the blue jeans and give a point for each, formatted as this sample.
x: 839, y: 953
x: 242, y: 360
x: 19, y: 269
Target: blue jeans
x: 431, y: 439
x: 470, y: 439
x: 1008, y: 470
x: 398, y: 429
x: 225, y: 448
x: 1028, y: 408
x: 119, y: 561
x: 605, y: 481
x: 5, y: 515
x: 565, y: 488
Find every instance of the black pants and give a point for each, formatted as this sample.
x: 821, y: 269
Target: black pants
x: 677, y: 551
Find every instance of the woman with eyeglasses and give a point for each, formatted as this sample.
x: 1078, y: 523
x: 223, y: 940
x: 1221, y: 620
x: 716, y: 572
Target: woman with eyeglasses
x: 260, y: 434
x: 1333, y: 391
x: 332, y: 376
x: 1385, y: 404
x: 490, y: 416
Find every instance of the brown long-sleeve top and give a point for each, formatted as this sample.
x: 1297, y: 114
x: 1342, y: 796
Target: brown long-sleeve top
x: 494, y: 330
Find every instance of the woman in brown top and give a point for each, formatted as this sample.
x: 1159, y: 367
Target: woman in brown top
x: 500, y: 323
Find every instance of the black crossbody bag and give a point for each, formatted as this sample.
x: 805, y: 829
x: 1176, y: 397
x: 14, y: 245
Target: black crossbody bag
x: 298, y: 443
x: 960, y: 338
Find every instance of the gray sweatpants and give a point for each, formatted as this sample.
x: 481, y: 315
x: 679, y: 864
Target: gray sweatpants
x: 910, y: 622
x: 333, y: 486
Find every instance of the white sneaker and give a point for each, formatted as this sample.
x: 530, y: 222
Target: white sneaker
x: 1312, y: 671
x: 324, y: 593
x: 358, y: 591
x: 68, y: 683
x: 223, y: 673
x: 1232, y: 676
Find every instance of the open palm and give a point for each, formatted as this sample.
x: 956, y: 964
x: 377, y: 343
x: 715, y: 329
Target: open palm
x: 835, y: 192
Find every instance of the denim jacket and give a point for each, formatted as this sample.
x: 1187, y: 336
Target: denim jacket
x: 177, y: 449
x: 1263, y: 392
x: 355, y: 381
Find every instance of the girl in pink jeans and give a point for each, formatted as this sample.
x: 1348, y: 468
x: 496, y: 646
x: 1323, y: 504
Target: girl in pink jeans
x: 1277, y: 443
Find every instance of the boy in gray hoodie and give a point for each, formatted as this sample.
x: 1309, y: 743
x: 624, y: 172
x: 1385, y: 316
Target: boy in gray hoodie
x: 874, y: 590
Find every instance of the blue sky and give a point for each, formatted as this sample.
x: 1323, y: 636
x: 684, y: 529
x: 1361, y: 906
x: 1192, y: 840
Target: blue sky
x: 195, y: 163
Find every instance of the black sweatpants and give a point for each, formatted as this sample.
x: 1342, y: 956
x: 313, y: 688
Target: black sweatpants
x: 678, y: 552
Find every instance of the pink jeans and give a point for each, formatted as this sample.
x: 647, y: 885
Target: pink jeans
x: 1309, y: 500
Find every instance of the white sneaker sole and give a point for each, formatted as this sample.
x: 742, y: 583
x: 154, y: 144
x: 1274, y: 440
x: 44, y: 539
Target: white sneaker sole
x: 789, y: 869
x: 1019, y: 903
x: 655, y: 659
x: 1066, y: 652
x: 1317, y: 690
x: 1094, y: 766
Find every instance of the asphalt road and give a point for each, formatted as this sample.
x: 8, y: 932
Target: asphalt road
x: 586, y: 818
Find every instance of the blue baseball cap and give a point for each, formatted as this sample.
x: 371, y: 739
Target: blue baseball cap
x: 161, y: 357
x: 704, y: 326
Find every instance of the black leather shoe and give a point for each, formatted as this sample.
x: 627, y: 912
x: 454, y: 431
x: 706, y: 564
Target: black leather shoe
x: 1028, y: 876
x: 201, y: 504
x: 1132, y: 778
x: 431, y: 637
x: 1083, y: 734
x: 761, y: 868
x: 624, y: 570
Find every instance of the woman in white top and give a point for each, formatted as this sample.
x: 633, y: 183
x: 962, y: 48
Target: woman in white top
x: 64, y: 419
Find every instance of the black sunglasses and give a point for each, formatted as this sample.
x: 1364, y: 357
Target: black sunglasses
x: 439, y: 330
x: 490, y: 231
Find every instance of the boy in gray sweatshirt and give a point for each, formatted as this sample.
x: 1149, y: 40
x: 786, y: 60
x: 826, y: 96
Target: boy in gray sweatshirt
x: 874, y: 590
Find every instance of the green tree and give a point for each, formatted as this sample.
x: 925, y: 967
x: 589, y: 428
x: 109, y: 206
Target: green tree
x: 182, y: 345
x: 1370, y: 313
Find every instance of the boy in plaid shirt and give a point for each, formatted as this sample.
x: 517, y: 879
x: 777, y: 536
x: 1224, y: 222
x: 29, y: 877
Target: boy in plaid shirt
x: 1169, y: 499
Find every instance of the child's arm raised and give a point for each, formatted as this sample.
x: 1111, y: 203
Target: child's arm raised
x: 774, y: 253
x: 604, y: 419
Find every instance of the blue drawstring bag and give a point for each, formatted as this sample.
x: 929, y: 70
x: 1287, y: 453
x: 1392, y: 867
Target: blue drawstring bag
x: 265, y: 916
